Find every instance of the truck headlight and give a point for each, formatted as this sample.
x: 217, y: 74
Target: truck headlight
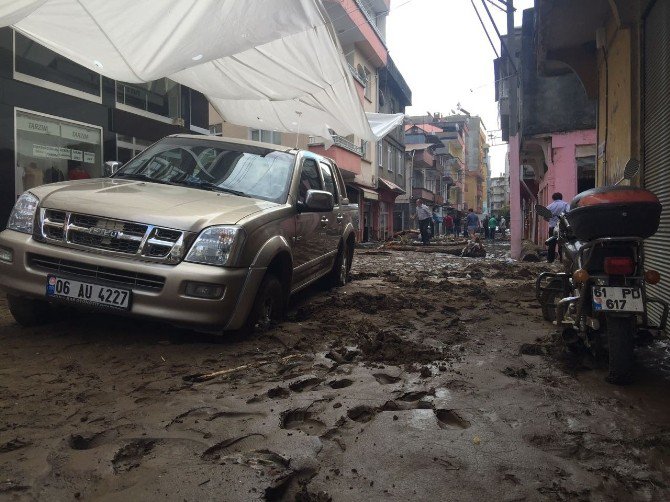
x: 216, y: 245
x: 22, y: 217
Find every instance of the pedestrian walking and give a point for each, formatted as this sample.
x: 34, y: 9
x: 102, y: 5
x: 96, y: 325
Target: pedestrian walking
x: 436, y: 222
x: 557, y: 208
x: 472, y: 223
x: 485, y: 226
x: 424, y: 215
x: 502, y: 226
x: 457, y: 224
x: 492, y: 224
x: 448, y: 223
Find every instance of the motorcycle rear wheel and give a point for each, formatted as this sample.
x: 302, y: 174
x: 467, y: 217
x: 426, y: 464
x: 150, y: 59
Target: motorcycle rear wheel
x: 621, y: 341
x: 549, y: 299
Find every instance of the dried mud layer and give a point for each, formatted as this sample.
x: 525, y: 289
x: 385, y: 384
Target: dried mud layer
x: 428, y: 377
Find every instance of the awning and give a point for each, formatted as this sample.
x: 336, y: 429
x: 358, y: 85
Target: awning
x: 366, y: 193
x: 268, y: 65
x: 389, y: 185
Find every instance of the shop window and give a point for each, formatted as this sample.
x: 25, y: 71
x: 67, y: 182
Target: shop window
x: 36, y: 61
x: 273, y: 137
x: 50, y: 149
x: 160, y: 97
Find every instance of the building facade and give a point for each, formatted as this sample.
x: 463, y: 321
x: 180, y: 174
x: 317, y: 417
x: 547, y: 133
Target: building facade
x: 60, y: 121
x: 620, y: 55
x: 553, y: 148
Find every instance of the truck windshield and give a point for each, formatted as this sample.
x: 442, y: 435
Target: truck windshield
x: 215, y: 166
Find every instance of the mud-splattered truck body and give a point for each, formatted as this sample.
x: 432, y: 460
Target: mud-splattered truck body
x: 209, y: 232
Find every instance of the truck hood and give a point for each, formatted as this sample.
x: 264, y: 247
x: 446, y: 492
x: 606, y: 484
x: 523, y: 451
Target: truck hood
x: 181, y: 208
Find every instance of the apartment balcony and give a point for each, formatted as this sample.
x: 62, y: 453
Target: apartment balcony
x: 345, y: 153
x: 423, y: 158
x: 355, y: 25
x: 423, y: 193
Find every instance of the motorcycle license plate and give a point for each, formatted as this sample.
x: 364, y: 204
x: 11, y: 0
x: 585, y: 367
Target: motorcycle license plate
x: 613, y: 299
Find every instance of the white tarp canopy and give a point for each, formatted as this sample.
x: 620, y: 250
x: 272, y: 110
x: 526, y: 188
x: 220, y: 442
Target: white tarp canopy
x: 266, y: 64
x: 383, y: 123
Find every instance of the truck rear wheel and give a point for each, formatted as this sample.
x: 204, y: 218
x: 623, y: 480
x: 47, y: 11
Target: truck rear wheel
x: 339, y: 275
x: 28, y: 311
x: 621, y: 341
x: 268, y: 306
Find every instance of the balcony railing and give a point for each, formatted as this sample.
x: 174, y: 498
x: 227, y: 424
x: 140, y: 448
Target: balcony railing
x: 340, y: 141
x: 354, y: 72
x: 372, y: 20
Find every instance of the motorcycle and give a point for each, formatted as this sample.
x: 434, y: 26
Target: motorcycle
x: 600, y: 300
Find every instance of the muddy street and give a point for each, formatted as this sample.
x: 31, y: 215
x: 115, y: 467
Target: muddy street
x: 428, y: 377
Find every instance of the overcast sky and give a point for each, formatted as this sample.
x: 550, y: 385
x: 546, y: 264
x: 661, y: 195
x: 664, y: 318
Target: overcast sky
x: 445, y: 57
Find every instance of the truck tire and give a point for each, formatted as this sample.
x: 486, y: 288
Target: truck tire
x: 339, y: 275
x: 268, y: 306
x: 549, y: 299
x: 29, y: 312
x: 621, y: 341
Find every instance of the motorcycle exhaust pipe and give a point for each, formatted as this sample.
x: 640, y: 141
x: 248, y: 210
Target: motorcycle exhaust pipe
x: 562, y: 306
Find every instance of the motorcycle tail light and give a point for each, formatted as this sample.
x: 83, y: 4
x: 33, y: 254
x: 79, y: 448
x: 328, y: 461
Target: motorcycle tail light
x: 652, y: 277
x: 619, y: 265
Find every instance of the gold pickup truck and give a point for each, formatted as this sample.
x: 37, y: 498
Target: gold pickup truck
x: 211, y: 233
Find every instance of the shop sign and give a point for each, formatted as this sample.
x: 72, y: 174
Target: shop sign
x: 40, y: 126
x: 89, y: 157
x: 77, y: 155
x: 80, y: 134
x: 51, y: 152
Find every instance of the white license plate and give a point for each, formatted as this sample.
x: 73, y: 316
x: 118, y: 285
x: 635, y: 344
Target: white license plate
x: 614, y: 299
x: 87, y: 293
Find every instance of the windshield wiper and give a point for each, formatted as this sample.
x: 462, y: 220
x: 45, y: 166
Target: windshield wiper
x: 142, y: 177
x: 212, y: 186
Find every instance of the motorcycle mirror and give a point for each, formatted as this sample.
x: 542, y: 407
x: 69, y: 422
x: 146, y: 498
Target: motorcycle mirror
x: 543, y: 211
x: 631, y: 169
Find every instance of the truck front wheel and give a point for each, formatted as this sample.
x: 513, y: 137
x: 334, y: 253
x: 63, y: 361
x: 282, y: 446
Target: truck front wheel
x: 29, y: 312
x: 268, y: 306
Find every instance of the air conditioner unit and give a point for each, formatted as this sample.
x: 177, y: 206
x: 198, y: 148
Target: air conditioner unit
x: 178, y: 121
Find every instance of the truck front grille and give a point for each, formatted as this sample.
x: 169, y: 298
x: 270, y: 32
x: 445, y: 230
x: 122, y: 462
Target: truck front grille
x: 124, y: 238
x: 106, y: 274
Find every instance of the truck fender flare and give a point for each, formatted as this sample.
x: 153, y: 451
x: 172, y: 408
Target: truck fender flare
x: 348, y: 230
x: 257, y: 270
x: 269, y: 250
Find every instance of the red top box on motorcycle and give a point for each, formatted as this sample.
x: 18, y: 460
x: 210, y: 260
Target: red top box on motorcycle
x: 614, y: 212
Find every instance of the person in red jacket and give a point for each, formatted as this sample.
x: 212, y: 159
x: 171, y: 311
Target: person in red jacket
x: 75, y: 171
x: 448, y: 224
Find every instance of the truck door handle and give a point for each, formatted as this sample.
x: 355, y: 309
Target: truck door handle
x: 339, y: 218
x: 324, y: 221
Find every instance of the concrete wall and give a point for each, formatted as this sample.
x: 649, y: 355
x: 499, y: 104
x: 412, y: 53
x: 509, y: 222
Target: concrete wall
x: 550, y: 104
x: 615, y: 112
x: 561, y: 175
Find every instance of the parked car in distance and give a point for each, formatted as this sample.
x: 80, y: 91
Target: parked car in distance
x: 208, y: 232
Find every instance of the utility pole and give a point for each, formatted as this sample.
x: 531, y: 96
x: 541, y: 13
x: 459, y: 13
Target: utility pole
x: 514, y: 77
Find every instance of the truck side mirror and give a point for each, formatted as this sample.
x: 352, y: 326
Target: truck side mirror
x: 317, y: 201
x: 111, y: 166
